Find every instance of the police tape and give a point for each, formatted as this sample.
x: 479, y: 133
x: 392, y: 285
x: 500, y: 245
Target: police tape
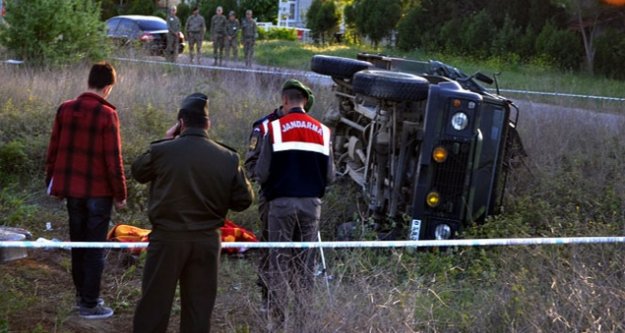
x: 48, y: 244
x: 264, y: 70
x: 559, y: 94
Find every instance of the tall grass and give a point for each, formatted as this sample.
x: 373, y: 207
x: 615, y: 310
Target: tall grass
x: 571, y: 184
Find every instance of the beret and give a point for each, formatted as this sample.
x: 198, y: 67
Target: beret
x: 295, y: 84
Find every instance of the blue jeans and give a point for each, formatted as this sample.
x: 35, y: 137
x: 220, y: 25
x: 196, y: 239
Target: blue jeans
x: 88, y: 222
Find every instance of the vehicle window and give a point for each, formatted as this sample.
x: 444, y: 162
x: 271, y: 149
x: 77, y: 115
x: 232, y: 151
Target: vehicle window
x: 151, y: 25
x: 111, y: 26
x: 126, y: 28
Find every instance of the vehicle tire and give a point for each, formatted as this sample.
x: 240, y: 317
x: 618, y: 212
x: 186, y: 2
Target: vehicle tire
x: 392, y: 86
x: 337, y: 67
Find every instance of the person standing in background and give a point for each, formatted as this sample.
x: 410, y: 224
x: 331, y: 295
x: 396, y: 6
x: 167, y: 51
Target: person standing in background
x: 173, y: 35
x: 218, y: 34
x: 232, y: 37
x: 195, y: 28
x: 84, y: 165
x: 248, y: 26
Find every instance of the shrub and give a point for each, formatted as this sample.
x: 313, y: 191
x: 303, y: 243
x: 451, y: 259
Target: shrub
x: 54, y: 31
x: 278, y: 33
x: 610, y: 49
x: 562, y: 46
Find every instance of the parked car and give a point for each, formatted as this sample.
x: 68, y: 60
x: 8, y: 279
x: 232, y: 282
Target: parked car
x: 429, y: 146
x: 147, y: 32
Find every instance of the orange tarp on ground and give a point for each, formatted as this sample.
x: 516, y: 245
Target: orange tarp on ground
x: 230, y: 232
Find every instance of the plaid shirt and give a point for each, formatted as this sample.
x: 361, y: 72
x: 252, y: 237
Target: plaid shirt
x: 84, y: 155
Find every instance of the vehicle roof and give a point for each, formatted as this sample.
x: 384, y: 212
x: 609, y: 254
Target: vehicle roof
x: 139, y: 17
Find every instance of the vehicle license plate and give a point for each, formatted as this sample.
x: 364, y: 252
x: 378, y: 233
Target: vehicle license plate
x: 415, y: 229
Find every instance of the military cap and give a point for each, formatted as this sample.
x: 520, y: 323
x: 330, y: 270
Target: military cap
x: 295, y: 84
x: 231, y: 13
x: 196, y: 103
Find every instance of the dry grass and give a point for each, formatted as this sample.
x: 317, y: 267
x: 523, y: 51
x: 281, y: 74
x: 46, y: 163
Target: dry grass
x: 573, y: 185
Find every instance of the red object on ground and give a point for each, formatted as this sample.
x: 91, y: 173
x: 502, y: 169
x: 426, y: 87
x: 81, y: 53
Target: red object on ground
x: 230, y: 232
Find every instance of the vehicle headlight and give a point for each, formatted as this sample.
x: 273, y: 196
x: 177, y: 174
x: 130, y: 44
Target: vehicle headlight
x: 442, y: 231
x: 459, y: 121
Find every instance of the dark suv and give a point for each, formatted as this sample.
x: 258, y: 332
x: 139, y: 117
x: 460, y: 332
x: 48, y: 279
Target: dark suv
x: 147, y: 32
x: 429, y: 145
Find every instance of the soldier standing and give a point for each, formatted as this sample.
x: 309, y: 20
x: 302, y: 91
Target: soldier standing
x: 232, y: 36
x: 293, y: 167
x: 249, y: 37
x: 218, y: 33
x: 173, y: 35
x: 195, y: 27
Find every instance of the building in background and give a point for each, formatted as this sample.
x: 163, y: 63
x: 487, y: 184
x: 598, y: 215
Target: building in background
x: 292, y: 13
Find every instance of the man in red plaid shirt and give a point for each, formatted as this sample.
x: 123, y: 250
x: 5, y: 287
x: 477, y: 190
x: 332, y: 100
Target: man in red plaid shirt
x: 85, y: 166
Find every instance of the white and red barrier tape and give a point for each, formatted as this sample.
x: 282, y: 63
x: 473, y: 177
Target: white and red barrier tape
x: 344, y: 244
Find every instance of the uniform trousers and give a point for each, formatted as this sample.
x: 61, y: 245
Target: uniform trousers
x: 232, y: 47
x: 218, y: 47
x: 173, y: 44
x: 195, y: 44
x: 248, y: 50
x: 190, y: 257
x: 291, y: 271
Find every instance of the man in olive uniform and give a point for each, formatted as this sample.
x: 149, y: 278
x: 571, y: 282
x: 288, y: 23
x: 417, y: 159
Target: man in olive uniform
x: 293, y: 167
x: 232, y: 36
x: 195, y: 28
x: 173, y: 35
x: 194, y: 182
x: 248, y: 26
x: 218, y: 34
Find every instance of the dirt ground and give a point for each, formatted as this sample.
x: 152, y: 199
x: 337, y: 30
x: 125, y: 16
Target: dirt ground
x: 44, y: 280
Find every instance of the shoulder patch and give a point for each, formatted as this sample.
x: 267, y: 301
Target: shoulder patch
x: 161, y: 140
x: 226, y: 146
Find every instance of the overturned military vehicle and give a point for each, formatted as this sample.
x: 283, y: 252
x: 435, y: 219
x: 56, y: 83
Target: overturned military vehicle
x: 429, y: 145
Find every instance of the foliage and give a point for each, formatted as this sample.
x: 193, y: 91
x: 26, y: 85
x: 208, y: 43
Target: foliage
x: 140, y: 7
x: 278, y: 34
x: 322, y: 18
x: 54, y: 31
x: 264, y: 10
x: 375, y: 19
x: 562, y: 46
x: 610, y: 54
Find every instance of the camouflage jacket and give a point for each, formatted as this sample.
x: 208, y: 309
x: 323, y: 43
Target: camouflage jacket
x: 218, y: 25
x: 173, y: 24
x: 232, y: 28
x: 195, y: 23
x: 249, y: 29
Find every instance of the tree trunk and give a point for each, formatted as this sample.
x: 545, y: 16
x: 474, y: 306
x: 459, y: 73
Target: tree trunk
x: 588, y: 36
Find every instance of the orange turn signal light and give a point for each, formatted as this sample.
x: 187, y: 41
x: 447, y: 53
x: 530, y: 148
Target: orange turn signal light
x: 439, y: 154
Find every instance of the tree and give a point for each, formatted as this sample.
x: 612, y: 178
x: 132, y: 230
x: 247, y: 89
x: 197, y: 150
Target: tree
x: 322, y: 18
x: 54, y: 31
x: 375, y: 19
x: 589, y: 16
